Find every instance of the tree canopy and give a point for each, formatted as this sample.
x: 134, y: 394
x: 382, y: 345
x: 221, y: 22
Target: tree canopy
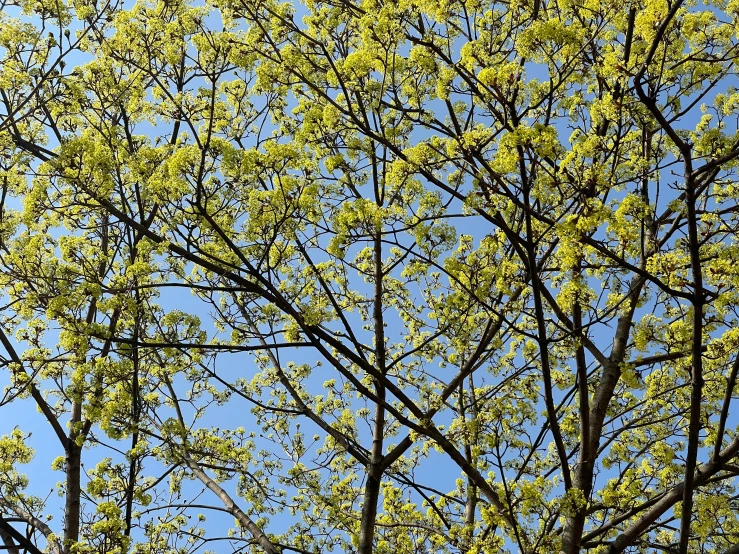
x: 384, y: 276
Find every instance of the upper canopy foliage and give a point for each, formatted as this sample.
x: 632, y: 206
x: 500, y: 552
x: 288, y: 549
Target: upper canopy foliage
x: 396, y: 277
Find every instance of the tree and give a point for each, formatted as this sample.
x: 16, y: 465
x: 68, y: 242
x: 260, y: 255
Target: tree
x: 461, y: 276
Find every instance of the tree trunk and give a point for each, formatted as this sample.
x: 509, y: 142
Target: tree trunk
x: 72, y: 503
x: 375, y: 468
